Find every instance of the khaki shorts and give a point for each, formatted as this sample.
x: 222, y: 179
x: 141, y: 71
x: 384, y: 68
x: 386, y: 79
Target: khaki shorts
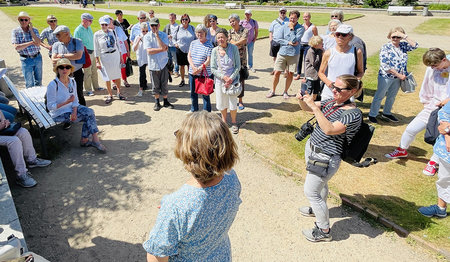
x: 286, y: 63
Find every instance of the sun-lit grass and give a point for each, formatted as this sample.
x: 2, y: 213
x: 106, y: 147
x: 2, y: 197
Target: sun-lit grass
x: 395, y: 189
x: 434, y: 26
x: 258, y: 15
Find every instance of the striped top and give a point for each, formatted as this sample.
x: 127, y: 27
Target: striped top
x: 18, y: 36
x: 333, y: 144
x: 199, y: 53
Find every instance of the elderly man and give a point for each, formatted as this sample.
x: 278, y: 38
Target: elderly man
x: 156, y: 43
x: 72, y: 49
x: 47, y: 33
x: 275, y: 33
x: 287, y: 57
x: 136, y: 29
x: 26, y: 41
x: 252, y: 26
x: 85, y: 34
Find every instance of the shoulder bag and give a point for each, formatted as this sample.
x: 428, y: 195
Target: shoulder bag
x: 431, y: 131
x: 409, y: 84
x: 203, y: 84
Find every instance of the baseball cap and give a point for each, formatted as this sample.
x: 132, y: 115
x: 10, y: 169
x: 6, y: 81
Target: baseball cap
x: 153, y: 21
x: 283, y: 9
x: 345, y: 29
x: 248, y: 11
x: 103, y: 20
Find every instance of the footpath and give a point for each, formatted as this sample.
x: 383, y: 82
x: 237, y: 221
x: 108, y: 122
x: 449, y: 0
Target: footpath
x: 88, y: 206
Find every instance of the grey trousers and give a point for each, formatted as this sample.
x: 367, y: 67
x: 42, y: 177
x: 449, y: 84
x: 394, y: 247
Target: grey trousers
x: 316, y: 187
x: 91, y: 76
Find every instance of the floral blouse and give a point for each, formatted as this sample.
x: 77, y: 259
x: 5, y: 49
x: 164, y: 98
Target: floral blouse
x: 392, y: 57
x: 237, y: 36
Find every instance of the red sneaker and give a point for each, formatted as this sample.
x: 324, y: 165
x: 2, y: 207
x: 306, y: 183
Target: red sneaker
x: 397, y: 153
x: 430, y: 169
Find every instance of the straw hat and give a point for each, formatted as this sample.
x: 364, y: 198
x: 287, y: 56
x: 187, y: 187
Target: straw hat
x: 63, y: 61
x: 23, y: 14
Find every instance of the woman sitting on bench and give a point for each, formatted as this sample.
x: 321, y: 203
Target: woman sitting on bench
x: 63, y: 106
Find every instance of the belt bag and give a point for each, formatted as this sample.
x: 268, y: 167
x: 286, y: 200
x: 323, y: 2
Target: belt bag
x: 317, y: 166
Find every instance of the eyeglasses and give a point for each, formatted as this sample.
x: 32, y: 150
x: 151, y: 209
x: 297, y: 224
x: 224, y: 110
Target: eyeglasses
x: 23, y: 20
x: 151, y: 13
x: 341, y: 34
x: 61, y: 67
x: 396, y: 37
x: 52, y: 21
x: 144, y: 31
x: 339, y: 90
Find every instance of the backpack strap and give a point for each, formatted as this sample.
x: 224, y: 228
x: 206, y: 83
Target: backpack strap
x: 56, y: 83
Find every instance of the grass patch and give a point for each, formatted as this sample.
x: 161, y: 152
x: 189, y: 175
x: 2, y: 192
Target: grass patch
x: 394, y: 189
x: 258, y: 15
x: 434, y: 26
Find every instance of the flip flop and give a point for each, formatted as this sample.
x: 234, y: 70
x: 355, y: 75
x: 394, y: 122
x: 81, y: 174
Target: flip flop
x: 87, y: 144
x: 99, y: 147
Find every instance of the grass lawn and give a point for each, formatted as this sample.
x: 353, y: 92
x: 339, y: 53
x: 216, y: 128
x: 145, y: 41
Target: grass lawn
x: 258, y: 15
x: 395, y: 189
x: 434, y: 26
x: 71, y: 18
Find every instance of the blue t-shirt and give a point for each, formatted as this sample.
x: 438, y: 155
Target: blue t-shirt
x: 73, y: 46
x: 439, y: 147
x: 200, y: 53
x: 193, y: 223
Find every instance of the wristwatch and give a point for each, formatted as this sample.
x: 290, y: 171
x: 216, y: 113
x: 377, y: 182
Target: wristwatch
x: 447, y: 130
x: 62, y: 56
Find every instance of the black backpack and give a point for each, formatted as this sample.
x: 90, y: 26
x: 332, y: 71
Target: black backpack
x: 354, y: 150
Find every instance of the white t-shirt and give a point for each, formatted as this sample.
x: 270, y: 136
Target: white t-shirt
x: 121, y: 39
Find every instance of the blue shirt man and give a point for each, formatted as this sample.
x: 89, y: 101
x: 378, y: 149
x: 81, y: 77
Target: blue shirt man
x: 26, y: 41
x: 275, y: 32
x: 136, y: 29
x: 156, y: 43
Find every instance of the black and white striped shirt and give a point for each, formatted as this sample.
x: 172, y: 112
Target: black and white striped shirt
x: 333, y: 144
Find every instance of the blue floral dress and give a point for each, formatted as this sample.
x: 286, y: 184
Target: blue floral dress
x: 193, y: 223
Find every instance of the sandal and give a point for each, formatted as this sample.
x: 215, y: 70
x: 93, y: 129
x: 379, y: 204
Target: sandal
x: 270, y: 94
x: 234, y: 129
x: 121, y: 97
x: 108, y: 100
x: 99, y: 146
x: 126, y: 84
x: 86, y: 144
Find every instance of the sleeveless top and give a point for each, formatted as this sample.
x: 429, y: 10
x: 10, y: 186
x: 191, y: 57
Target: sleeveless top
x: 307, y: 35
x: 339, y: 64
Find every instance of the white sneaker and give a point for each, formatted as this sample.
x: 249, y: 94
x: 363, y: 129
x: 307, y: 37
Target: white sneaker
x: 253, y: 70
x: 139, y: 93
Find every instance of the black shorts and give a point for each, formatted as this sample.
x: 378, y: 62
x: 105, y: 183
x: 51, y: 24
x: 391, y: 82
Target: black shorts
x: 312, y: 86
x: 182, y: 58
x: 274, y: 48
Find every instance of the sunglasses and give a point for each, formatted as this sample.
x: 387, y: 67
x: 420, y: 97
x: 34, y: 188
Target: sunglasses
x: 151, y: 13
x: 184, y: 19
x: 52, y: 21
x: 396, y: 37
x: 23, y: 20
x: 339, y: 90
x: 104, y: 24
x: 142, y: 17
x: 282, y: 12
x: 144, y: 31
x: 334, y: 16
x: 61, y: 67
x: 153, y: 25
x: 341, y: 34
x: 212, y: 20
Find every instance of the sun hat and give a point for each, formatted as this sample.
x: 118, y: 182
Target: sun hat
x: 61, y: 28
x: 87, y: 16
x: 345, y: 29
x: 248, y: 11
x: 63, y: 61
x: 103, y: 20
x: 23, y: 14
x: 153, y: 21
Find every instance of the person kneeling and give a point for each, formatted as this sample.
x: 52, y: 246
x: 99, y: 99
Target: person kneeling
x: 63, y: 106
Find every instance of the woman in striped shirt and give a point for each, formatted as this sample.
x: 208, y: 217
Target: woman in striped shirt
x: 324, y: 148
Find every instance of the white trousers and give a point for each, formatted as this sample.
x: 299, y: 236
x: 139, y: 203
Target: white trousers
x: 20, y: 148
x: 443, y: 182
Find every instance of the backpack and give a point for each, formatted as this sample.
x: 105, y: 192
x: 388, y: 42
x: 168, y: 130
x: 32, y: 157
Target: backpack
x: 354, y: 150
x: 85, y: 58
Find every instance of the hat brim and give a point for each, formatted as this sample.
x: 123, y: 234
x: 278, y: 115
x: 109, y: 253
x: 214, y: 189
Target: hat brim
x: 55, y: 68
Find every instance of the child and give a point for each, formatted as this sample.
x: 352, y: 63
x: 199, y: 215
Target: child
x: 312, y: 64
x: 193, y: 222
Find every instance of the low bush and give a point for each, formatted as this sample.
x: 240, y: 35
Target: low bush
x: 439, y: 7
x: 377, y: 3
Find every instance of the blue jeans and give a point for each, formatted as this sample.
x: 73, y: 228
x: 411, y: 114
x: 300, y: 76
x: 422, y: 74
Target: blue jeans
x: 250, y: 47
x: 301, y: 58
x: 172, y: 52
x: 387, y: 87
x: 194, y: 96
x: 32, y: 70
x: 84, y: 114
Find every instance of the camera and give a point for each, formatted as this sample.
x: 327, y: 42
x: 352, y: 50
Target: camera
x: 305, y: 130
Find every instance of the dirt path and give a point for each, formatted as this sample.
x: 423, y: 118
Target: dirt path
x: 88, y: 207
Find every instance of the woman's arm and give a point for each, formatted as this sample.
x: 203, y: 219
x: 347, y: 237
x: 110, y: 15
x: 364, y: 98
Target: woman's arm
x: 360, y: 65
x: 329, y: 128
x: 237, y: 62
x: 152, y: 258
x: 323, y: 68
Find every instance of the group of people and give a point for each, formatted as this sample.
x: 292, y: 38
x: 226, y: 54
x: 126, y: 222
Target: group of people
x: 334, y: 64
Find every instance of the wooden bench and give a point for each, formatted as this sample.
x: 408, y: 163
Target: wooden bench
x: 154, y: 3
x: 32, y: 102
x: 233, y: 6
x: 400, y: 9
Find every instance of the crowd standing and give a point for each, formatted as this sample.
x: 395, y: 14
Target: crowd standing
x: 334, y: 65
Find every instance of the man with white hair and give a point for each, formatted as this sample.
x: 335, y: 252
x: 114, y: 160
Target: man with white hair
x: 275, y: 33
x: 85, y: 34
x: 26, y: 41
x: 72, y: 49
x: 156, y: 43
x: 136, y: 29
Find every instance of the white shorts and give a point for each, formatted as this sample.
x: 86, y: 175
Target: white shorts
x: 224, y: 101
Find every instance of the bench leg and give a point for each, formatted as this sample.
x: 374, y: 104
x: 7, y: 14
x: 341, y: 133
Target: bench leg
x: 43, y: 144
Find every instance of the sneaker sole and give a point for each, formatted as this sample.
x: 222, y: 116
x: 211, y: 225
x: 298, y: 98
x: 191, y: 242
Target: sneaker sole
x: 25, y: 186
x: 437, y: 215
x: 427, y: 173
x: 328, y: 239
x: 397, y: 157
x: 388, y: 119
x: 33, y: 166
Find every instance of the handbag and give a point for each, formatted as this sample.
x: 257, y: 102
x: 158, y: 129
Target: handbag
x: 233, y: 90
x: 128, y: 67
x: 11, y: 130
x: 203, y: 84
x: 409, y: 84
x: 431, y: 131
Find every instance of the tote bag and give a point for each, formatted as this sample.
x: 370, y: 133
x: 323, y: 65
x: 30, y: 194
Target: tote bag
x: 203, y: 84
